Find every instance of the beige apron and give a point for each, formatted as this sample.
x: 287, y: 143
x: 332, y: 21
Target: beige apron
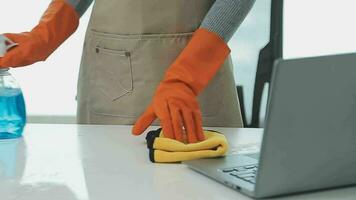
x: 129, y: 45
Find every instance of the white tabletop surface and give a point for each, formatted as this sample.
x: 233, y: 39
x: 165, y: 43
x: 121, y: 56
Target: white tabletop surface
x: 88, y: 162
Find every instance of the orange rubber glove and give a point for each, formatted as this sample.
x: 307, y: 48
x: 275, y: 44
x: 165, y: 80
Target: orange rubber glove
x: 175, y: 101
x: 58, y: 22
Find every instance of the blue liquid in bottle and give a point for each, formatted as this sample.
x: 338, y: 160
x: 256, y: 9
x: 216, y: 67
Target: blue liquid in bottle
x: 12, y: 108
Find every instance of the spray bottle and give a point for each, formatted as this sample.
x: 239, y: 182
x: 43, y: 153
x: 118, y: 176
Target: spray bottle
x: 12, y: 104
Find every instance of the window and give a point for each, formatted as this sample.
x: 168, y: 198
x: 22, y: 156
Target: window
x: 310, y: 28
x: 250, y: 38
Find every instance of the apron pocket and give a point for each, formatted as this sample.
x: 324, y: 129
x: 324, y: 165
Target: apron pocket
x: 109, y: 64
x: 110, y: 77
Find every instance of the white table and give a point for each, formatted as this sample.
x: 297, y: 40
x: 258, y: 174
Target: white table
x: 70, y: 162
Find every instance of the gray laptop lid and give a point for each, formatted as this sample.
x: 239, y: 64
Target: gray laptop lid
x: 310, y: 134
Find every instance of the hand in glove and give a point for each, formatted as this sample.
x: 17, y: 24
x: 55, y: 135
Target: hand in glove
x: 175, y: 102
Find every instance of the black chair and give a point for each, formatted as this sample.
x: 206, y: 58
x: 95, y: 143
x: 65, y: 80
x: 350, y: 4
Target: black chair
x: 267, y: 56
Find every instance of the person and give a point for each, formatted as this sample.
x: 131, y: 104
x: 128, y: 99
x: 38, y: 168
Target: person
x: 145, y: 60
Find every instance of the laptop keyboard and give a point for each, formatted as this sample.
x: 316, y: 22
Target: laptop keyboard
x: 246, y: 173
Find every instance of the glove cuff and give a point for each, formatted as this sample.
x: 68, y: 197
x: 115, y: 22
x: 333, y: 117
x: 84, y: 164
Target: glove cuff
x: 56, y: 25
x: 199, y: 61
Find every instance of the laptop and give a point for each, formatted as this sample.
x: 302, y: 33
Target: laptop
x: 309, y: 139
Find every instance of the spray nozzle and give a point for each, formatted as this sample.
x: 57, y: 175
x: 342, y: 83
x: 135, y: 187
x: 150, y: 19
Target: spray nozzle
x: 5, y: 44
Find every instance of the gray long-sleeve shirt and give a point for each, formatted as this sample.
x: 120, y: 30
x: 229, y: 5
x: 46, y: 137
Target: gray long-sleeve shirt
x: 224, y: 17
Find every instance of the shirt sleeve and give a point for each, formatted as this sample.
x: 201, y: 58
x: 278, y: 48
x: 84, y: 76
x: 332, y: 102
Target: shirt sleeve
x: 80, y: 5
x: 225, y: 16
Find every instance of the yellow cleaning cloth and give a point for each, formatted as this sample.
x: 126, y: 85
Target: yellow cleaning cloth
x: 165, y: 150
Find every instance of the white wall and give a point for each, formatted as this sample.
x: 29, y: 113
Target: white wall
x: 319, y: 27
